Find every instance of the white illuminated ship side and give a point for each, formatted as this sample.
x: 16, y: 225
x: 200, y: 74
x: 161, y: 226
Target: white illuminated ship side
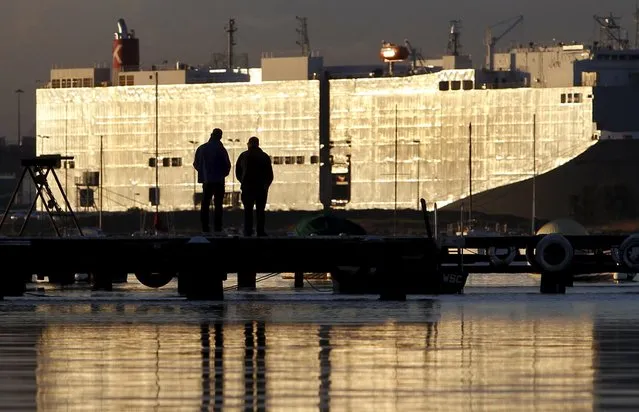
x: 437, y: 129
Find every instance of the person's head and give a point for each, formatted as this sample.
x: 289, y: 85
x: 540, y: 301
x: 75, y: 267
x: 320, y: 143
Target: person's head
x: 253, y: 142
x: 216, y: 134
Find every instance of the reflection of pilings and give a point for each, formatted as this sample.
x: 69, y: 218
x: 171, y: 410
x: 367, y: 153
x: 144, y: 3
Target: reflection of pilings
x: 431, y: 334
x: 218, y: 362
x: 261, y: 365
x: 205, y: 347
x: 249, y: 401
x: 254, y: 367
x: 219, y: 366
x: 325, y: 368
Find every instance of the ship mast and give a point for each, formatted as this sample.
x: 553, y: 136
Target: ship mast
x: 302, y: 36
x: 230, y: 30
x: 454, y: 43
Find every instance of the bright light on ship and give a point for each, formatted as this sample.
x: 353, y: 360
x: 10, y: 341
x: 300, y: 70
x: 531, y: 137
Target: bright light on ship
x: 389, y: 53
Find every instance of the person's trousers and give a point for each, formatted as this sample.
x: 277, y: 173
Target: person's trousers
x: 257, y: 199
x: 213, y: 191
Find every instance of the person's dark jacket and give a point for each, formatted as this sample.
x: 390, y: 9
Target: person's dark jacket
x: 212, y: 162
x: 254, y: 170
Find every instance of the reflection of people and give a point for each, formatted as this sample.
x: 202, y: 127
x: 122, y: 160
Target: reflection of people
x: 255, y: 172
x: 213, y: 165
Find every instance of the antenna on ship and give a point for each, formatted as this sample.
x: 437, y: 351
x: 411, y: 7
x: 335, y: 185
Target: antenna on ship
x: 454, y: 43
x: 302, y: 35
x: 610, y: 33
x: 230, y: 29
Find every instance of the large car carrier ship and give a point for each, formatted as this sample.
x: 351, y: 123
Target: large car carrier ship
x: 550, y: 131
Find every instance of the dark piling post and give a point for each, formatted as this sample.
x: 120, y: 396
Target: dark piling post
x: 246, y: 280
x: 13, y: 285
x: 299, y: 280
x: 196, y: 284
x: 568, y: 280
x: 552, y: 283
x: 101, y: 281
x: 201, y: 286
x: 392, y: 280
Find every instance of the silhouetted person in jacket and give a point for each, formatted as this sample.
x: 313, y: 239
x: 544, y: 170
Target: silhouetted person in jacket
x: 213, y: 165
x: 255, y: 172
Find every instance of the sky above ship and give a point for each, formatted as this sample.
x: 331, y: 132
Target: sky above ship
x: 38, y: 35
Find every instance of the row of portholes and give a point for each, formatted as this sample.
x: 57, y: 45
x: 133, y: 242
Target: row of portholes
x: 293, y: 160
x: 456, y: 85
x: 276, y: 160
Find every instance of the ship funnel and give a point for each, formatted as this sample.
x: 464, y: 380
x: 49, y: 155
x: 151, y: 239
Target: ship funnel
x: 126, y: 52
x: 123, y: 32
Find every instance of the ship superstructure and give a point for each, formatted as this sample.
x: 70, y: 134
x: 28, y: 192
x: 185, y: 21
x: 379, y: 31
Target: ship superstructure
x: 355, y: 138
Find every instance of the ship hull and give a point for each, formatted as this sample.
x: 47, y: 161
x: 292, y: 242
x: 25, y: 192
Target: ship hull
x: 598, y: 187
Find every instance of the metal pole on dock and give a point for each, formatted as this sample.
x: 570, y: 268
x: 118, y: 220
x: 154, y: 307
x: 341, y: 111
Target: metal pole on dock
x: 470, y: 172
x: 435, y: 219
x: 194, y: 143
x: 101, y: 181
x: 534, y: 183
x: 395, y: 210
x: 157, y: 154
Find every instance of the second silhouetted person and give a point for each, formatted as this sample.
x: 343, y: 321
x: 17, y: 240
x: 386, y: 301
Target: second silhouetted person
x: 255, y: 172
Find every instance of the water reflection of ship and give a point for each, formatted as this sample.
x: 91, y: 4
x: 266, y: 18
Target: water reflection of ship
x: 616, y: 361
x: 356, y: 355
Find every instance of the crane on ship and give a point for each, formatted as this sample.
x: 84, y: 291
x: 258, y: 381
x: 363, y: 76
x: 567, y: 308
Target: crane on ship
x: 417, y: 62
x: 490, y: 40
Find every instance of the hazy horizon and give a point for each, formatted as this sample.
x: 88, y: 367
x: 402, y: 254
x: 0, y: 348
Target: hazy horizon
x: 77, y: 33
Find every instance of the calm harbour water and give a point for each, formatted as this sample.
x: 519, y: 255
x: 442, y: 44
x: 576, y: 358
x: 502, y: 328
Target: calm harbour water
x: 500, y: 346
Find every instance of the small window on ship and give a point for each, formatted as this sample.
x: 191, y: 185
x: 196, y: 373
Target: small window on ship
x: 444, y: 86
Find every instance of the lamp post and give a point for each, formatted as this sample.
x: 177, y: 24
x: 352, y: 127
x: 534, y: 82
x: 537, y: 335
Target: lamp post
x: 134, y: 184
x: 194, y: 143
x: 18, y: 92
x: 41, y: 136
x: 157, y: 144
x: 101, y: 181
